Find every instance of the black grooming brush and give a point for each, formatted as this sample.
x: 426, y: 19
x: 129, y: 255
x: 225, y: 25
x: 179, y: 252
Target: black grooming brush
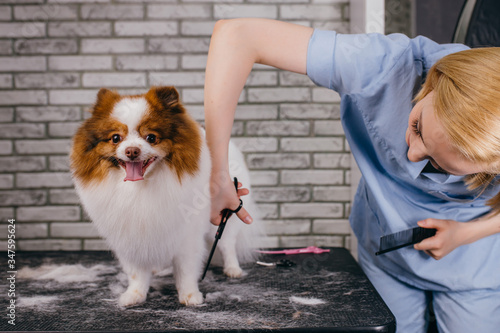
x: 404, y: 238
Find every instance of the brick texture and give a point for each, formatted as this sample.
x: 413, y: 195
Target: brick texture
x: 56, y: 54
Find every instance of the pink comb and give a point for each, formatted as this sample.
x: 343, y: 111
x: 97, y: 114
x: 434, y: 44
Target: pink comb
x: 309, y: 249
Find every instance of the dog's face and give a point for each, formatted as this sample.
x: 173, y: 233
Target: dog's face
x: 136, y: 133
x: 143, y: 140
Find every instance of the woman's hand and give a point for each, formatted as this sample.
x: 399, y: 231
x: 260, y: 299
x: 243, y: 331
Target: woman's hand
x: 449, y: 236
x: 224, y: 196
x: 452, y: 234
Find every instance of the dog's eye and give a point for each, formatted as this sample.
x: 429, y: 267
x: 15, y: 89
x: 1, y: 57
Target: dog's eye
x: 151, y: 138
x: 116, y: 138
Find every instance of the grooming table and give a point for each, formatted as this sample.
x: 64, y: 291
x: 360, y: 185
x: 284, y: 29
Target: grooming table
x: 325, y: 292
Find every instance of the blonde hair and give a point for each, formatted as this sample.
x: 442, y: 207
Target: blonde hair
x: 466, y: 89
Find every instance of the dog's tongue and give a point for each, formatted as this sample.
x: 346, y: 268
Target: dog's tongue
x: 134, y: 171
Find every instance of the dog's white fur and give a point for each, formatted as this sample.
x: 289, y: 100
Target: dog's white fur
x: 158, y: 222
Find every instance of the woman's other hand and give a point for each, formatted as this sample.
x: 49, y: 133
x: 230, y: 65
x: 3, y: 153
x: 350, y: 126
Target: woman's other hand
x: 448, y: 237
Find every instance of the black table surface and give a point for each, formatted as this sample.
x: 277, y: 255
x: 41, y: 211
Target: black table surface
x: 325, y: 292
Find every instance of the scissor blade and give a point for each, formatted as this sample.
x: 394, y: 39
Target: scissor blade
x: 210, y: 258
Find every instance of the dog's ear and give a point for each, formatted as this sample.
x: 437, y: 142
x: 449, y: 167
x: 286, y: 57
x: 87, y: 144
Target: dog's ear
x: 105, y: 100
x: 168, y: 97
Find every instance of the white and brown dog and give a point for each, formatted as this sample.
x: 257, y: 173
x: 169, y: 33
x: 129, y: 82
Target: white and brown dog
x: 141, y: 167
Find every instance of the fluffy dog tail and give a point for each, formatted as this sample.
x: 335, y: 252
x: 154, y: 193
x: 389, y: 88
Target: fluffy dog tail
x: 249, y: 236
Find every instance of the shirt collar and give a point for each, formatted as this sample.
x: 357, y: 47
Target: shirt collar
x: 416, y: 168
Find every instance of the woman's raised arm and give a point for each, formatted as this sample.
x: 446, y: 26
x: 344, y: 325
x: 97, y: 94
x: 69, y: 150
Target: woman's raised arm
x: 236, y: 45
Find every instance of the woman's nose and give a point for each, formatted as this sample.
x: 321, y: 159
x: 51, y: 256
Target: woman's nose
x: 417, y: 152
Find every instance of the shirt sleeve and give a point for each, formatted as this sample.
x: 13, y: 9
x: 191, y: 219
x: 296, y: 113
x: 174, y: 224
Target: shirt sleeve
x: 350, y: 63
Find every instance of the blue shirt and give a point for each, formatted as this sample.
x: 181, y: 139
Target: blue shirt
x: 377, y: 77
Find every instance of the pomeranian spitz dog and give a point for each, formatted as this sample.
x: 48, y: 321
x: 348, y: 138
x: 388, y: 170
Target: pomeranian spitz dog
x: 141, y: 168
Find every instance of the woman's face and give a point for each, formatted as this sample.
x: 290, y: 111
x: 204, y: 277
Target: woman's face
x: 427, y: 140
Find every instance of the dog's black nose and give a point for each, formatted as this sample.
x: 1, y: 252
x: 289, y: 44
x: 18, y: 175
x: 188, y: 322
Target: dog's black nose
x: 132, y: 152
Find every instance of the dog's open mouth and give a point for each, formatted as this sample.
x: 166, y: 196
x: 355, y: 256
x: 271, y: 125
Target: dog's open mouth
x: 136, y: 169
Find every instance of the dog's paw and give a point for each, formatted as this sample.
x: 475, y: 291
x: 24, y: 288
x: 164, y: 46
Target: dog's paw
x: 233, y: 271
x: 131, y: 297
x: 193, y: 298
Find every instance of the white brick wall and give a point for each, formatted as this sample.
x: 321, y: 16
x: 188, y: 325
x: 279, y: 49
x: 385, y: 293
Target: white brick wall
x: 56, y: 54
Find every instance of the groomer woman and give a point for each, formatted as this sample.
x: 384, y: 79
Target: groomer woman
x: 423, y: 123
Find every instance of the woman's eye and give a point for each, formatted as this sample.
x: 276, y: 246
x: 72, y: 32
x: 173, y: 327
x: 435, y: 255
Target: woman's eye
x: 151, y: 138
x: 116, y: 138
x: 415, y: 128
